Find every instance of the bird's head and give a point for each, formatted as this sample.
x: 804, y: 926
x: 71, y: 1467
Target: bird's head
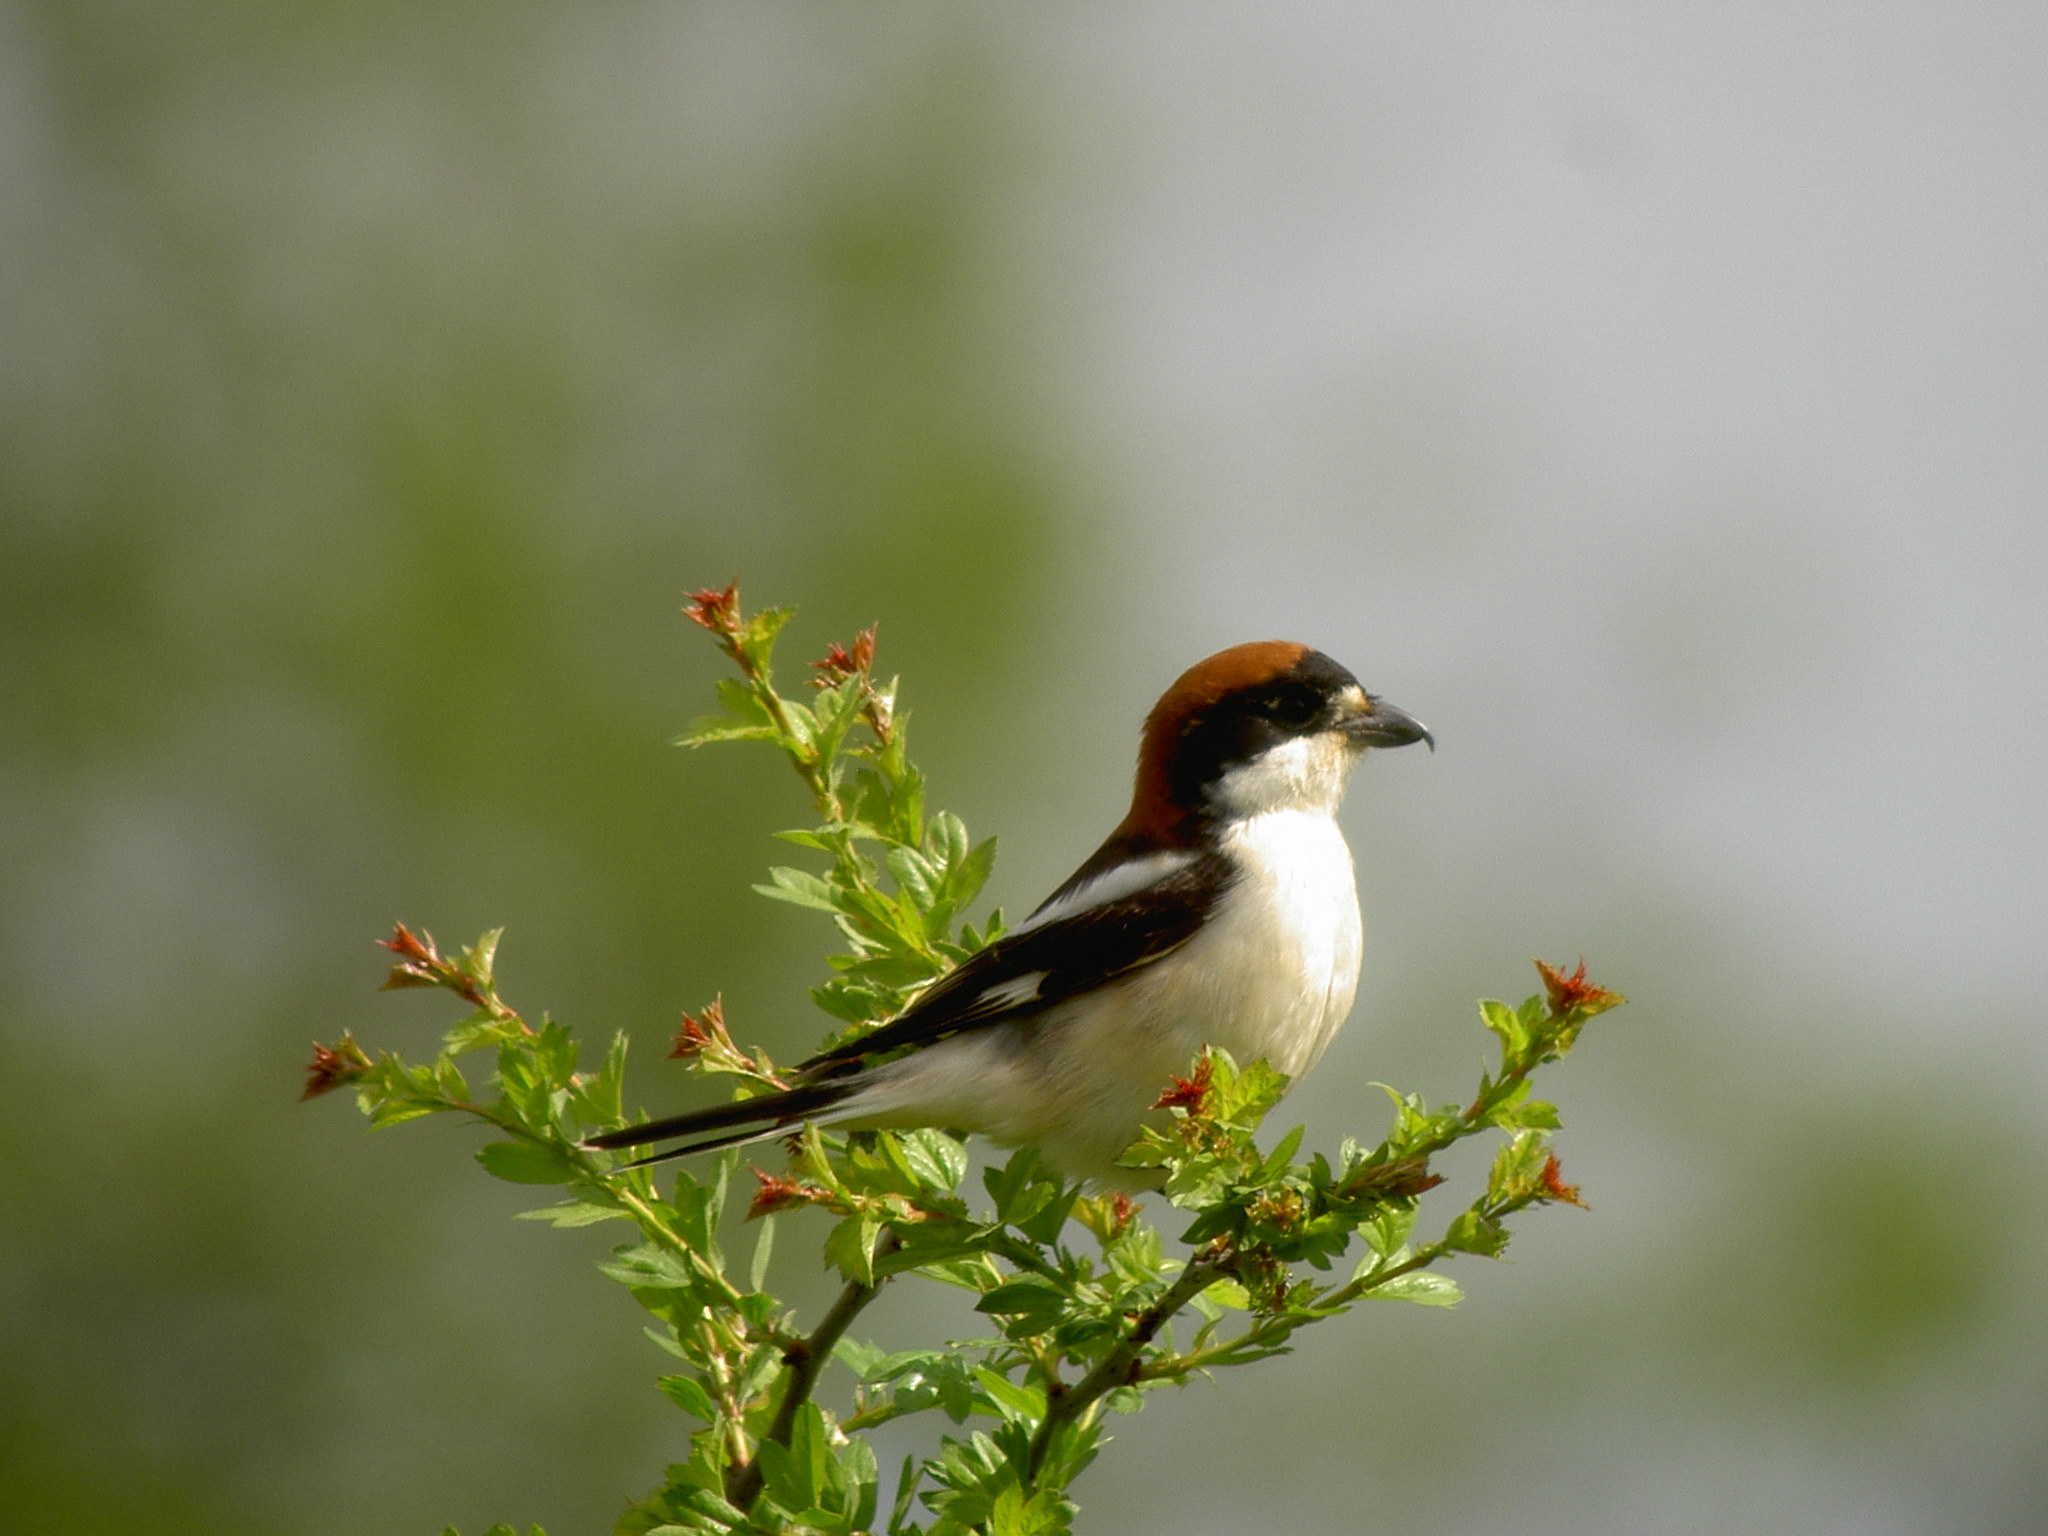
x: 1267, y: 726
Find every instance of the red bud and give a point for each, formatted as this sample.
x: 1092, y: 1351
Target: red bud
x: 1554, y: 1186
x: 1573, y: 993
x: 717, y: 611
x: 699, y: 1032
x: 333, y: 1067
x: 1189, y: 1093
x: 780, y: 1194
x: 840, y: 663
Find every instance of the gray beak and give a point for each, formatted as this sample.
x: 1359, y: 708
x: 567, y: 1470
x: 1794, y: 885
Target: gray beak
x: 1382, y: 724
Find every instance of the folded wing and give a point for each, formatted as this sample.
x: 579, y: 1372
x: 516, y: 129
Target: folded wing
x: 1087, y: 935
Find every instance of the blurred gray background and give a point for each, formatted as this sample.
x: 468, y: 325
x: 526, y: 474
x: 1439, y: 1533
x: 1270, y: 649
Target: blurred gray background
x: 1653, y: 398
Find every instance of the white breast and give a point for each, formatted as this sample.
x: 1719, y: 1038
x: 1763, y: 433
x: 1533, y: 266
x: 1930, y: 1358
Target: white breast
x: 1271, y: 975
x: 1285, y: 943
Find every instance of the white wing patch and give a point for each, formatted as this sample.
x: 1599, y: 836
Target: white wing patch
x: 1014, y: 993
x: 1111, y: 885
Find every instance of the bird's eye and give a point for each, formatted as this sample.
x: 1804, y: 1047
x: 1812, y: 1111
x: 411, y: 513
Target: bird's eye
x: 1292, y: 709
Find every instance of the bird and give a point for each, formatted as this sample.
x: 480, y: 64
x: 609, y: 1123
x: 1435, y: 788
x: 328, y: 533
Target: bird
x: 1221, y: 912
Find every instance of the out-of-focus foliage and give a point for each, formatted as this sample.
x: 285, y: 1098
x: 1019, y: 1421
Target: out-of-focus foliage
x: 373, y: 394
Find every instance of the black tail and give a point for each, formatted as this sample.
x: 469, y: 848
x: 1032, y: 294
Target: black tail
x: 756, y: 1118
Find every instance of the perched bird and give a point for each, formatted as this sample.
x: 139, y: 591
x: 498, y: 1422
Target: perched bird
x: 1221, y: 912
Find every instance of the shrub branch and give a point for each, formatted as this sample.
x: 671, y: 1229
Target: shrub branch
x: 1077, y: 1326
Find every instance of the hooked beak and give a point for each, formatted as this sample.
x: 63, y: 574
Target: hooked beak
x: 1381, y: 724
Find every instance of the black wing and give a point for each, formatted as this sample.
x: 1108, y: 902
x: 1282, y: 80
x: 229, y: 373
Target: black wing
x: 1028, y: 971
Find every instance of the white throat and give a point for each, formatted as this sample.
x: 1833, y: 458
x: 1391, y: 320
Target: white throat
x: 1305, y: 774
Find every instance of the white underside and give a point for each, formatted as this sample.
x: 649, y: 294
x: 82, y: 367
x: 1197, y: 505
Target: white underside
x: 1271, y: 976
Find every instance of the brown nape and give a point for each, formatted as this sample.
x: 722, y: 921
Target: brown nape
x: 1154, y: 819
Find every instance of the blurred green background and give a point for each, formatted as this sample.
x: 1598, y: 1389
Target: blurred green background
x: 1647, y: 397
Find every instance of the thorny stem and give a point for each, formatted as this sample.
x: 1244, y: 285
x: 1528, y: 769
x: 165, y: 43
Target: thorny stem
x: 650, y: 1221
x: 1474, y: 1117
x: 649, y: 1218
x: 1544, y: 1048
x: 737, y: 1355
x: 815, y: 774
x: 731, y: 1407
x: 1366, y: 1284
x: 806, y: 1358
x: 1179, y: 1367
x: 816, y: 777
x: 1120, y: 1367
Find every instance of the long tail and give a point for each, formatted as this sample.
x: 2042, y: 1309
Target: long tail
x: 756, y: 1119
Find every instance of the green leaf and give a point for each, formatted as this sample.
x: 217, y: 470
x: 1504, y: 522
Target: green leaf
x: 913, y: 875
x: 1228, y: 1293
x: 1020, y: 1187
x: 574, y: 1213
x: 698, y: 1206
x: 764, y: 1246
x: 906, y: 801
x: 786, y: 1473
x: 807, y: 839
x: 1518, y: 1166
x: 756, y: 639
x: 1032, y: 1301
x: 800, y: 889
x: 934, y: 1157
x: 1532, y: 1114
x: 397, y: 1111
x: 803, y: 729
x: 881, y: 1368
x: 851, y: 1003
x: 478, y: 959
x: 1043, y: 1225
x: 706, y: 729
x: 742, y: 703
x: 1015, y: 1402
x: 1473, y: 1232
x: 689, y: 1394
x: 1390, y: 1228
x: 666, y: 1339
x: 713, y: 1514
x: 525, y: 1162
x: 596, y: 1098
x: 1282, y: 1156
x: 647, y: 1268
x: 858, y: 1458
x: 1425, y: 1290
x: 974, y: 1472
x: 906, y: 1490
x: 858, y: 1355
x: 554, y: 1052
x: 837, y: 709
x: 962, y: 882
x: 851, y: 1247
x: 945, y: 840
x: 481, y: 1028
x: 1507, y: 1024
x: 706, y: 1511
x: 1043, y: 1514
x: 1240, y: 1096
